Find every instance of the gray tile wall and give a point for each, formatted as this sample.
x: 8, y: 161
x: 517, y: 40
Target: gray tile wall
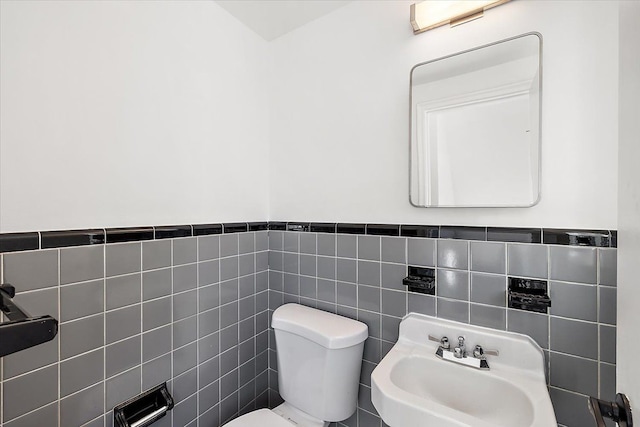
x: 361, y: 277
x: 190, y: 311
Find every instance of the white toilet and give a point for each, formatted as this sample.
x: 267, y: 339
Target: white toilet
x: 319, y: 361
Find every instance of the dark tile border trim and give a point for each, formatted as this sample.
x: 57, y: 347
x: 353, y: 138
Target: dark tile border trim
x: 322, y: 227
x: 15, y: 242
x: 598, y: 238
x: 206, y: 229
x: 128, y: 234
x: 172, y: 231
x: 235, y: 227
x: 298, y: 226
x: 429, y: 231
x: 60, y: 239
x: 521, y: 235
x: 351, y: 228
x: 383, y: 229
x: 569, y: 237
x: 258, y: 226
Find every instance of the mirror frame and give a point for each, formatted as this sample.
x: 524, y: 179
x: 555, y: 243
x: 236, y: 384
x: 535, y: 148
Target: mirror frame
x: 537, y: 200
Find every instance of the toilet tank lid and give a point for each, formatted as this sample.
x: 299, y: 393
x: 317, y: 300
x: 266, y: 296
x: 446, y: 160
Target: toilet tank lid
x: 327, y: 329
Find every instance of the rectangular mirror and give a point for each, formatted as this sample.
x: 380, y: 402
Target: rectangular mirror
x: 475, y: 127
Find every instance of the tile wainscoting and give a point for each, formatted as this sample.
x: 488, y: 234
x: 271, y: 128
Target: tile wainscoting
x: 359, y: 275
x: 191, y: 311
x: 192, y: 305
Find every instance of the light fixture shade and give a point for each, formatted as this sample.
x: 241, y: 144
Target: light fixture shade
x: 434, y: 13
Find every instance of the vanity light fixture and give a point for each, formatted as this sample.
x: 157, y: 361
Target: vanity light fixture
x: 430, y: 14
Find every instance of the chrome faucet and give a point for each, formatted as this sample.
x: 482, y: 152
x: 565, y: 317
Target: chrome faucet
x: 461, y: 350
x: 459, y: 353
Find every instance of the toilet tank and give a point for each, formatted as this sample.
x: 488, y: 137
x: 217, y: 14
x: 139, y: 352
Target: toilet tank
x: 319, y: 359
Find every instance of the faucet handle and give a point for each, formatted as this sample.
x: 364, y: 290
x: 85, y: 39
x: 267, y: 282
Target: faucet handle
x: 444, y: 341
x: 479, y: 352
x: 461, y: 341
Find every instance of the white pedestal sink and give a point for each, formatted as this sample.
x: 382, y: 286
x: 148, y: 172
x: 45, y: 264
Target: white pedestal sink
x: 412, y: 387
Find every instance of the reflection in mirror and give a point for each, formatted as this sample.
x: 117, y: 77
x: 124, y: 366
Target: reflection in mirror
x: 475, y: 127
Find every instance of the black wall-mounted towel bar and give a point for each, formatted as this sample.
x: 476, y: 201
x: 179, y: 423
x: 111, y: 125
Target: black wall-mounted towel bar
x: 618, y: 411
x: 22, y: 331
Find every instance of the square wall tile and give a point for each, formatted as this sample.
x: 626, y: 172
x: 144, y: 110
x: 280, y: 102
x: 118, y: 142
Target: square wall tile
x: 79, y: 408
x: 80, y: 372
x: 574, y: 373
x: 533, y: 324
x: 18, y: 269
x: 123, y: 387
x: 574, y: 337
x: 123, y: 258
x: 489, y: 317
x: 453, y: 254
x: 571, y: 409
x: 347, y: 246
x: 291, y: 243
x: 565, y: 298
x: 123, y: 323
x: 208, y: 247
x: 453, y: 310
x: 124, y: 290
x: 185, y: 277
x: 421, y: 252
x: 83, y: 299
x: 368, y: 298
x: 527, y: 260
x: 81, y: 335
x: 156, y: 254
x: 155, y: 284
x: 489, y: 289
x: 573, y: 264
x: 369, y: 248
x: 79, y: 264
x: 40, y: 386
x: 394, y: 249
x: 419, y: 303
x: 122, y: 356
x: 246, y: 243
x: 308, y: 243
x: 185, y: 250
x: 394, y: 303
x: 326, y: 244
x: 369, y: 273
x: 228, y: 245
x: 452, y: 284
x: 488, y: 257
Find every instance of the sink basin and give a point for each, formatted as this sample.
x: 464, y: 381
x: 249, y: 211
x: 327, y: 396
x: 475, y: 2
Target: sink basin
x: 412, y: 387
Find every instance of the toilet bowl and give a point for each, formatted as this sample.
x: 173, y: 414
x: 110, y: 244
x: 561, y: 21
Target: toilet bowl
x: 319, y: 359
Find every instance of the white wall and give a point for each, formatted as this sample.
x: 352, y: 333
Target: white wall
x: 130, y: 113
x: 628, y: 369
x: 339, y: 128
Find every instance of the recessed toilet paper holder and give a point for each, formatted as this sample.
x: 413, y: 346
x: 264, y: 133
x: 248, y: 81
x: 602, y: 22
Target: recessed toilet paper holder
x: 144, y: 409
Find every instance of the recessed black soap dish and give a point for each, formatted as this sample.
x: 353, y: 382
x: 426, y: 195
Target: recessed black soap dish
x: 421, y: 280
x: 529, y: 295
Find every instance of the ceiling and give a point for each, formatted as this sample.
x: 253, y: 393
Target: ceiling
x: 273, y: 18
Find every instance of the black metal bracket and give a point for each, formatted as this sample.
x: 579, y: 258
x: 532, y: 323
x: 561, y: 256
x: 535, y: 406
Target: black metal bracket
x: 529, y: 295
x: 618, y: 411
x: 421, y: 280
x: 22, y: 331
x: 144, y: 409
